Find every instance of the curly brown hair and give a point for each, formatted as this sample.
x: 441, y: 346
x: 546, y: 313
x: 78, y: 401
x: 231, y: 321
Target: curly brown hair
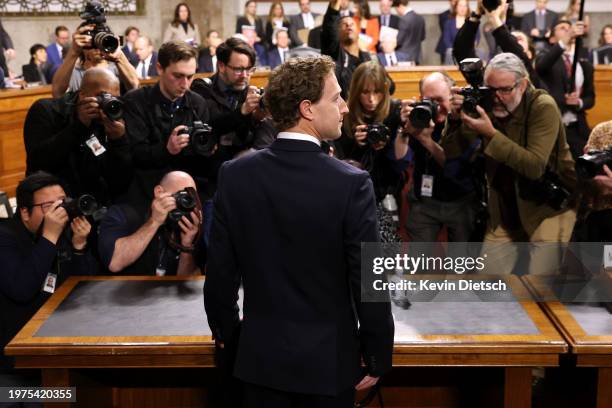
x: 289, y: 84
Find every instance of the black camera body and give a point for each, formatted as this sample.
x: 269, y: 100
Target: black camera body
x: 186, y: 202
x: 111, y: 106
x: 102, y: 37
x: 422, y: 113
x: 475, y: 94
x: 376, y: 133
x: 591, y: 164
x: 262, y: 105
x: 83, y: 206
x: 548, y: 190
x: 201, y: 139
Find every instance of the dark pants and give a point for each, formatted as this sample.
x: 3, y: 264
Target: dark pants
x: 577, y: 136
x: 256, y: 396
x: 427, y: 216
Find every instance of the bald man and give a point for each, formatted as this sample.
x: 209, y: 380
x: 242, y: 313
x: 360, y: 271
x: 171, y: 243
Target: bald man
x: 147, y: 58
x: 72, y: 138
x: 158, y: 240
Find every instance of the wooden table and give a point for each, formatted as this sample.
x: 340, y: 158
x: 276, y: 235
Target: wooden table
x: 58, y: 356
x: 590, y: 350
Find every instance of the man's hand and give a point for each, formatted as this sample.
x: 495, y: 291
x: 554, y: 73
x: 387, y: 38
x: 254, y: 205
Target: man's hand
x: 161, y: 206
x: 80, y: 230
x: 424, y: 135
x: 406, y: 109
x: 114, y: 56
x: 177, y: 140
x: 605, y: 181
x: 366, y: 383
x: 535, y: 33
x: 456, y: 102
x: 114, y: 129
x: 361, y: 135
x: 87, y: 110
x: 80, y: 39
x: 572, y: 99
x: 335, y: 4
x: 496, y: 17
x: 54, y: 222
x: 10, y: 53
x: 577, y: 29
x: 481, y: 124
x: 189, y: 229
x: 251, y: 102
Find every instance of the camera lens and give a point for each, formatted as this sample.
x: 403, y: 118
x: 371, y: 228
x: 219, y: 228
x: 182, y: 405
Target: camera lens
x: 87, y: 204
x: 106, y: 42
x: 113, y: 109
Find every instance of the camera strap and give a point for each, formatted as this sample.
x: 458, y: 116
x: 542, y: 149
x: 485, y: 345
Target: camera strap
x: 526, y: 130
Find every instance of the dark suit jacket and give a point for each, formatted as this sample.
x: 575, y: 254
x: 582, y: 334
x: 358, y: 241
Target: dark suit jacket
x: 152, y: 69
x: 300, y: 273
x: 270, y: 32
x: 5, y: 43
x: 394, y: 21
x: 54, y: 58
x: 551, y: 69
x: 411, y: 35
x: 274, y: 58
x: 31, y: 73
x: 131, y: 56
x: 205, y: 62
x: 529, y: 22
x: 400, y: 57
x: 259, y: 28
x: 297, y: 23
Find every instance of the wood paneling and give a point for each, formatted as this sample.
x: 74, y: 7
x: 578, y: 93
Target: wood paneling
x: 14, y: 105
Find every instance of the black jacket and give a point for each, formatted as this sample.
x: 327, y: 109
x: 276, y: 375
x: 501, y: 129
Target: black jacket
x: 26, y: 261
x: 55, y: 142
x: 300, y: 273
x: 205, y: 61
x: 149, y: 125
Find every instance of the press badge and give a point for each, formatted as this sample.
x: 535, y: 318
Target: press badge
x: 50, y: 282
x: 95, y: 146
x: 427, y: 185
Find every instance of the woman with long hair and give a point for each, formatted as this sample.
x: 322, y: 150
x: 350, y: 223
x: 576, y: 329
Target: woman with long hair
x: 368, y: 25
x: 370, y: 103
x: 573, y: 12
x: 181, y: 27
x: 603, y: 54
x: 459, y: 13
x: 250, y: 18
x: 276, y: 19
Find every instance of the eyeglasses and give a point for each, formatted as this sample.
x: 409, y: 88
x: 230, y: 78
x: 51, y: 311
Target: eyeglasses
x: 44, y: 206
x: 242, y: 70
x: 504, y: 90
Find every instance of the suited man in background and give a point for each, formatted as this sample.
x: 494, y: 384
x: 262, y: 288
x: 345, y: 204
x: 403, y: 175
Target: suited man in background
x: 538, y: 24
x: 411, y: 31
x: 207, y: 57
x: 299, y: 342
x: 386, y: 19
x: 279, y: 53
x: 55, y: 50
x: 147, y: 58
x: 389, y: 57
x: 306, y: 19
x: 554, y: 68
x: 131, y: 35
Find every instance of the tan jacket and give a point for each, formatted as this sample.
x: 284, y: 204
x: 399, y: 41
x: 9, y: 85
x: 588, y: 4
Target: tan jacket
x: 544, y: 129
x: 177, y: 33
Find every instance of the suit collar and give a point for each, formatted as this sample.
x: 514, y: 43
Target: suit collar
x: 290, y: 145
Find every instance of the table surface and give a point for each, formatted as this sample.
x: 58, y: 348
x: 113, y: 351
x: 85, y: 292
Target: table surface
x: 124, y: 334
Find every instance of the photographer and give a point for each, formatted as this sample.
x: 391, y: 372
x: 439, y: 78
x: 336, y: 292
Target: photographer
x: 85, y: 54
x: 40, y: 248
x: 228, y: 92
x: 74, y: 138
x: 168, y: 124
x: 161, y: 240
x: 555, y: 68
x: 529, y: 168
x: 444, y: 193
x: 370, y: 129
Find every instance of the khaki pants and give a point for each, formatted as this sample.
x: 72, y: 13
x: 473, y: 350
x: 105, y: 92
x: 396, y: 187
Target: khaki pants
x: 545, y: 246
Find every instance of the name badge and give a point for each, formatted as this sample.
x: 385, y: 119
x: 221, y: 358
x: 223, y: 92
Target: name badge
x: 50, y: 282
x: 427, y: 185
x: 95, y: 146
x: 160, y: 271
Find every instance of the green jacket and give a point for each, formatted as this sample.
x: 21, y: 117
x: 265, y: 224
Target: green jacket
x: 544, y: 130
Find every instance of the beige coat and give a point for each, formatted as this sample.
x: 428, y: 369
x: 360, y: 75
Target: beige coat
x: 177, y: 33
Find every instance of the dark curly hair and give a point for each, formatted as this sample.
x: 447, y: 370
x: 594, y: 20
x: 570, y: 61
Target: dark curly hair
x: 289, y: 84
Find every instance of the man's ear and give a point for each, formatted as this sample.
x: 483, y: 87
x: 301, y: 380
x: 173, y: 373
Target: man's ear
x: 157, y: 191
x: 306, y: 109
x: 159, y: 68
x: 25, y: 214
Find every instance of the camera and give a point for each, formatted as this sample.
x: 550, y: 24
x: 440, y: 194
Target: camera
x: 111, y: 106
x: 475, y: 94
x: 591, y: 164
x: 82, y: 206
x: 186, y: 202
x: 262, y: 106
x: 422, y: 113
x: 377, y: 133
x: 201, y: 140
x: 102, y: 37
x: 548, y: 189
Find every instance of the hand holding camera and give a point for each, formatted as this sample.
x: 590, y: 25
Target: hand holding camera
x: 87, y: 109
x: 189, y: 227
x: 81, y: 38
x: 80, y: 230
x: 54, y: 221
x: 481, y: 124
x: 114, y: 129
x: 160, y: 207
x: 178, y: 140
x: 252, y: 101
x: 605, y: 181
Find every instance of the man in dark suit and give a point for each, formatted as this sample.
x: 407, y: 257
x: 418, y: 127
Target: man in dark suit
x: 279, y: 53
x: 386, y: 19
x: 295, y: 243
x: 207, y: 57
x: 306, y: 19
x: 55, y: 51
x: 6, y: 47
x: 147, y: 58
x: 554, y: 67
x: 131, y: 35
x: 411, y: 31
x: 389, y: 57
x: 538, y: 24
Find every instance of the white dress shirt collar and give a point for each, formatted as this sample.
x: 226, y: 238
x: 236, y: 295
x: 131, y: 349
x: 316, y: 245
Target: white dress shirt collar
x: 299, y: 136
